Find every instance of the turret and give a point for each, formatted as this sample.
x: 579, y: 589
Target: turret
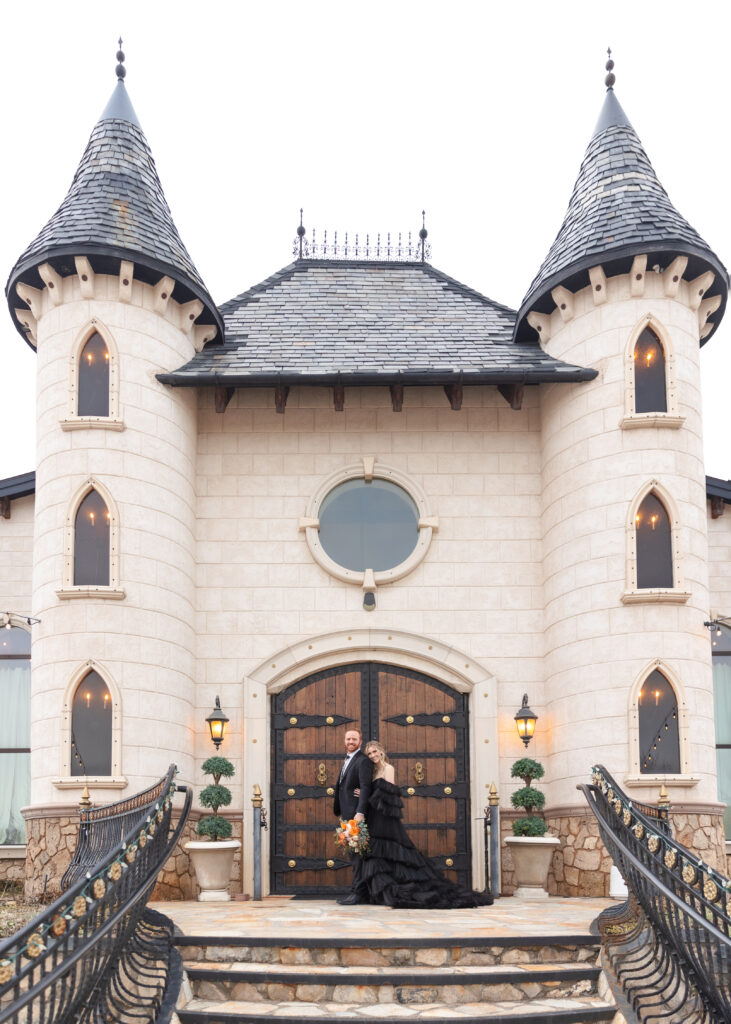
x: 629, y: 288
x: 109, y: 296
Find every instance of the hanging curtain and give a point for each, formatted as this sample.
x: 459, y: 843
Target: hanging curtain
x: 14, y: 733
x: 722, y: 705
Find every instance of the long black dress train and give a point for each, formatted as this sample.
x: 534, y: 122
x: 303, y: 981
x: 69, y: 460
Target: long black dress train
x: 395, y: 873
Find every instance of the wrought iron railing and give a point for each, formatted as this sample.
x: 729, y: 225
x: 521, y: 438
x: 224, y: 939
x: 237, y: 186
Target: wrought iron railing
x: 99, y: 953
x: 669, y: 945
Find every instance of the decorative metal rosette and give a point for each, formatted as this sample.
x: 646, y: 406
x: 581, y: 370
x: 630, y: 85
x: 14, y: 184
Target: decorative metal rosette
x: 6, y: 971
x: 142, y: 840
x: 59, y: 926
x: 79, y: 907
x: 610, y: 795
x: 596, y: 779
x: 617, y: 806
x: 653, y: 844
x: 35, y: 946
x: 159, y: 815
x: 98, y: 888
x: 152, y: 828
x: 130, y: 854
x: 639, y: 830
x: 710, y: 890
x: 115, y: 871
x: 670, y: 858
x: 627, y: 816
x: 689, y: 873
x: 604, y: 787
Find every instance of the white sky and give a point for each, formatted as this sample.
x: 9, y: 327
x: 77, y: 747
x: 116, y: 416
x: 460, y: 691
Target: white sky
x: 364, y: 113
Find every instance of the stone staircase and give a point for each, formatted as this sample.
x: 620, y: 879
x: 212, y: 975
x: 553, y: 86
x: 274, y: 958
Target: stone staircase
x: 248, y: 980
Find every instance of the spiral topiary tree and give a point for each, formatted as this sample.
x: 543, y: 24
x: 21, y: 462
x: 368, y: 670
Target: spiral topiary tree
x: 528, y: 798
x: 214, y: 826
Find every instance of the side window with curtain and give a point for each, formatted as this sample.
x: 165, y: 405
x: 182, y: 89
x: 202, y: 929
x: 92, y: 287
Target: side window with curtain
x: 721, y: 640
x: 14, y: 733
x: 91, y: 727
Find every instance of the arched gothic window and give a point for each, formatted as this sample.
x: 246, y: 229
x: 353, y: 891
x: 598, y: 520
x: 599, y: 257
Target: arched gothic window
x: 93, y: 390
x: 653, y: 544
x: 649, y: 369
x: 91, y: 727
x: 14, y: 732
x: 657, y: 706
x: 91, y: 542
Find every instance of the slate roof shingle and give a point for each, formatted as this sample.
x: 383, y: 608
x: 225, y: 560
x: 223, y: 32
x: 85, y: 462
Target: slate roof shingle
x: 324, y: 320
x: 116, y: 207
x: 618, y: 209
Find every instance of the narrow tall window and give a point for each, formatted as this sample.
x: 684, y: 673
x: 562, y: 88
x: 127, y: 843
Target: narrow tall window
x: 658, y: 720
x: 94, y: 378
x: 654, y: 544
x: 721, y: 640
x: 91, y: 727
x: 91, y: 542
x: 649, y: 365
x: 14, y: 733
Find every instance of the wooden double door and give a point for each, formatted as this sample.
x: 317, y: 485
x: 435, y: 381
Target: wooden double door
x: 421, y: 722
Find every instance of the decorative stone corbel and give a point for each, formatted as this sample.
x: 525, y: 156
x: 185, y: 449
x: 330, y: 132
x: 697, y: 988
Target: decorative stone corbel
x: 698, y: 288
x: 706, y: 308
x: 307, y: 522
x: 189, y: 311
x: 674, y: 275
x: 429, y: 521
x: 598, y: 285
x: 126, y: 276
x: 541, y: 323
x: 86, y: 277
x: 162, y: 292
x: 203, y: 333
x: 369, y: 582
x: 369, y: 465
x: 637, y: 276
x: 53, y: 282
x: 564, y: 300
x: 29, y: 324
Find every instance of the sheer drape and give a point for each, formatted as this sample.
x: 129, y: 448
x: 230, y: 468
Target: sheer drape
x: 722, y: 707
x: 14, y: 733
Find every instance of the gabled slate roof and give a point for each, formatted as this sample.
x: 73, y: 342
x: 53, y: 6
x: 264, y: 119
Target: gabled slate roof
x: 115, y: 210
x: 325, y: 321
x: 18, y: 486
x: 617, y: 211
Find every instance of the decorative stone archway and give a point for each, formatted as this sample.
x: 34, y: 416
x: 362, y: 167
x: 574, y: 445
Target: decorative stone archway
x: 404, y: 650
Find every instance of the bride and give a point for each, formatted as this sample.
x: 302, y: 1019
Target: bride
x: 395, y: 873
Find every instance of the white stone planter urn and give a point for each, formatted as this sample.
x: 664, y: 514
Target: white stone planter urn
x: 212, y: 863
x: 532, y: 858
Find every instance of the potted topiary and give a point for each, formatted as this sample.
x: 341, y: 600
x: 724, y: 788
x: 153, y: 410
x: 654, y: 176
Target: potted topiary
x: 213, y: 857
x: 531, y: 848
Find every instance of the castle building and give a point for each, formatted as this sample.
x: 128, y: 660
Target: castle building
x: 362, y: 493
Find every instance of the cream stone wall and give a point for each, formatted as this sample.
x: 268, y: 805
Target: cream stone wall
x: 144, y: 641
x: 596, y: 645
x: 16, y: 557
x: 719, y: 563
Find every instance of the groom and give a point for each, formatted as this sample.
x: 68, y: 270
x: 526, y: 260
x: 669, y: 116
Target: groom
x: 355, y: 774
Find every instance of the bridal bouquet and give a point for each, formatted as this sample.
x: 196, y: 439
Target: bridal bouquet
x: 353, y: 835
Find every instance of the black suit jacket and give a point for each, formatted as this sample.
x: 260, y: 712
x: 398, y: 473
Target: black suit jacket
x: 358, y: 776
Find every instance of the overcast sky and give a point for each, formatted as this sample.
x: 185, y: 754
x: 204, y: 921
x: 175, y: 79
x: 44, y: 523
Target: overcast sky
x: 364, y: 113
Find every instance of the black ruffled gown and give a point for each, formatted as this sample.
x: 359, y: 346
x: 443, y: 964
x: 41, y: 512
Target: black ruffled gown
x: 395, y: 873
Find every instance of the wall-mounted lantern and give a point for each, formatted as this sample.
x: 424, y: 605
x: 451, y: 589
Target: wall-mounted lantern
x: 217, y: 723
x: 525, y: 720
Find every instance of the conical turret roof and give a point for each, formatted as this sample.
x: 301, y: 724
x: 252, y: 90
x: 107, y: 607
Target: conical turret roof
x: 116, y: 210
x: 618, y: 210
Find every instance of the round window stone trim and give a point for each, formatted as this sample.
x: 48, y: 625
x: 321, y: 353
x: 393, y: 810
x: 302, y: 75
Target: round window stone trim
x: 368, y: 469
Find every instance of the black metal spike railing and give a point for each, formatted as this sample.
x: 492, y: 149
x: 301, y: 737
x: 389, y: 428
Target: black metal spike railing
x: 99, y: 953
x: 669, y: 945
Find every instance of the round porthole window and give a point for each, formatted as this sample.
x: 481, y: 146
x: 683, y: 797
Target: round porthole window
x: 368, y: 518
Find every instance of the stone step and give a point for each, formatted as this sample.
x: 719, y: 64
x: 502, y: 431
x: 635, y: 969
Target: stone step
x: 423, y: 952
x: 403, y: 985
x: 542, y: 1011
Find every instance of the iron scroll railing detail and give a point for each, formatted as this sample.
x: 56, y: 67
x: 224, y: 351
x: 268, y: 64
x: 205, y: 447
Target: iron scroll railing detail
x: 99, y: 953
x: 670, y: 943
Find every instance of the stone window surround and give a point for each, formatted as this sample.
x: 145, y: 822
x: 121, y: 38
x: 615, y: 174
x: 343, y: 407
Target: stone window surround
x: 68, y: 589
x: 367, y: 469
x: 111, y: 422
x: 654, y: 595
x: 635, y: 778
x: 671, y: 419
x: 11, y: 852
x: 68, y: 781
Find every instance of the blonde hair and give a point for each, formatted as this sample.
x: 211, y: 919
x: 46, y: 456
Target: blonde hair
x: 381, y: 750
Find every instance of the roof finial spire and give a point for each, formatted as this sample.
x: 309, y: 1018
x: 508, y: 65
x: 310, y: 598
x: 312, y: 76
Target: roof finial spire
x: 120, y: 69
x: 610, y: 79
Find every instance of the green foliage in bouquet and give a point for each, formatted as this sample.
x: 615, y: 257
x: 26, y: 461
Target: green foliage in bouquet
x: 528, y: 798
x: 214, y: 796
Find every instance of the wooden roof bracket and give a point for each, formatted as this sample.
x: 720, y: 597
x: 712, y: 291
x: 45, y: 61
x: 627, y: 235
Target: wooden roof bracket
x: 717, y: 507
x: 513, y: 394
x: 454, y: 394
x: 281, y: 393
x: 222, y: 396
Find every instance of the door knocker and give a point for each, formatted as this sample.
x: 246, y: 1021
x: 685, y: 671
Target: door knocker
x: 419, y: 774
x: 321, y: 774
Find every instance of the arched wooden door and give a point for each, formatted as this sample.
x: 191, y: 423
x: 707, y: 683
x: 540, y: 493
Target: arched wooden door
x: 423, y: 725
